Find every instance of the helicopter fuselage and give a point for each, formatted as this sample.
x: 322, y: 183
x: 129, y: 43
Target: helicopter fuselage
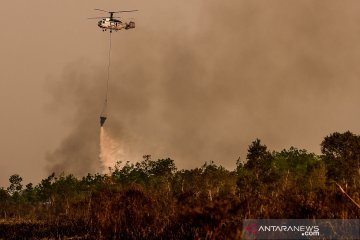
x: 114, y: 24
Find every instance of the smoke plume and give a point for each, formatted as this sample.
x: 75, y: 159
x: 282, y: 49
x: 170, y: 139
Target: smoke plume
x: 200, y: 90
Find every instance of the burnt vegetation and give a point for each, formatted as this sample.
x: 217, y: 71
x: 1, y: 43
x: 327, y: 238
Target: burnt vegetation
x: 152, y: 199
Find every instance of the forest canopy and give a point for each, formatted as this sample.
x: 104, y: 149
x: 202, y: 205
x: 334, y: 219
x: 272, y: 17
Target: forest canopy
x: 152, y: 199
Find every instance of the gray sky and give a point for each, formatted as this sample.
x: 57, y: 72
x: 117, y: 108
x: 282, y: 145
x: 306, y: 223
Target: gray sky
x: 195, y: 81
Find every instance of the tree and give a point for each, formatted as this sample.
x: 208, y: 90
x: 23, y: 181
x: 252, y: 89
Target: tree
x: 65, y: 188
x: 15, y: 184
x: 45, y: 188
x: 147, y: 172
x: 4, y: 199
x: 29, y: 193
x: 341, y: 153
x: 298, y: 162
x: 216, y: 179
x: 258, y: 159
x: 162, y: 167
x: 298, y: 166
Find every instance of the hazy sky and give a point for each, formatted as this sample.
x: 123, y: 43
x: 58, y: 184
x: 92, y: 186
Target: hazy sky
x: 195, y: 80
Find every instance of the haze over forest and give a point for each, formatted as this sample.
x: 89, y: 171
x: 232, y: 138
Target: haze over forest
x: 193, y: 81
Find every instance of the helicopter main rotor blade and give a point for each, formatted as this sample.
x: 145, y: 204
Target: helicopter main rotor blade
x: 126, y: 11
x: 101, y: 10
x: 97, y: 17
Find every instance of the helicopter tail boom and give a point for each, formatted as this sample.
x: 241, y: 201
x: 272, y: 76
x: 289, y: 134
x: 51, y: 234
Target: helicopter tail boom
x: 130, y: 25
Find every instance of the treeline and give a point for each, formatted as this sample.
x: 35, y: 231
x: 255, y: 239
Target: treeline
x: 153, y: 200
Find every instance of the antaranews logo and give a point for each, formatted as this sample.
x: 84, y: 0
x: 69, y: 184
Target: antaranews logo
x: 304, y: 230
x: 341, y: 229
x: 251, y: 229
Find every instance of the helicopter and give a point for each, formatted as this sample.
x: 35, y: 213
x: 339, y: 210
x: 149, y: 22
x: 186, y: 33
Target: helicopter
x: 112, y: 23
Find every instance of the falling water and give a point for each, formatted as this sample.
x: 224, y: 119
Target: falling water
x: 111, y: 150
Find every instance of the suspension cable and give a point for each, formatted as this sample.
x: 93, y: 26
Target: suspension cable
x: 108, y: 79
